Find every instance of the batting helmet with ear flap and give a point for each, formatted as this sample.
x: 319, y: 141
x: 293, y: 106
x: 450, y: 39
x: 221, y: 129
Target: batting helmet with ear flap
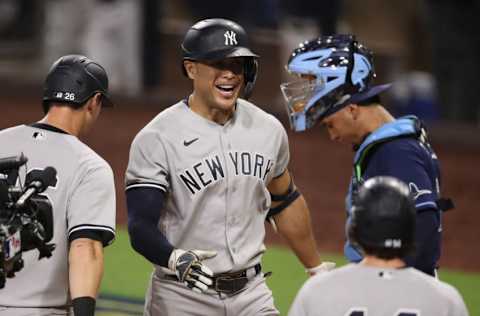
x: 216, y: 39
x: 383, y: 218
x: 74, y: 79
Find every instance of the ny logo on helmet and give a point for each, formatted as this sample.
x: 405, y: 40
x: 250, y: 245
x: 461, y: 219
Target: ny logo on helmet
x: 230, y: 38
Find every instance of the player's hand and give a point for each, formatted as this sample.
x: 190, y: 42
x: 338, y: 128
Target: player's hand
x: 190, y: 270
x: 322, y: 268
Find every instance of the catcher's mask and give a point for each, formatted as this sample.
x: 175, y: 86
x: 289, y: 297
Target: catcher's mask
x: 334, y: 71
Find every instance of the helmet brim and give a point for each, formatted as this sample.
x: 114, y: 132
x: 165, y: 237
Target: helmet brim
x: 224, y: 53
x: 368, y: 93
x: 356, y: 98
x: 241, y: 52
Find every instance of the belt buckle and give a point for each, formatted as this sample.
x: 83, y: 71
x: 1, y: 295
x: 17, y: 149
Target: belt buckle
x: 228, y: 285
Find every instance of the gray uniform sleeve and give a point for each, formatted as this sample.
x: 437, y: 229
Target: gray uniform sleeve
x: 147, y: 165
x: 458, y: 307
x: 91, y: 207
x: 283, y: 156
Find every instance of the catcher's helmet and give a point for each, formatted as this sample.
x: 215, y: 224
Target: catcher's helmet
x: 339, y: 72
x: 74, y: 79
x: 383, y: 218
x: 216, y: 39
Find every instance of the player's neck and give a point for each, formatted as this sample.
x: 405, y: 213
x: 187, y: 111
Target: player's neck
x: 377, y: 117
x: 217, y: 115
x: 65, y: 119
x: 373, y: 261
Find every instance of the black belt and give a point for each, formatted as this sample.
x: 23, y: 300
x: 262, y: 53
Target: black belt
x: 230, y: 283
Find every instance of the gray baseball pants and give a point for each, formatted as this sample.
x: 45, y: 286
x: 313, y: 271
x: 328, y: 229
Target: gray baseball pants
x: 168, y: 297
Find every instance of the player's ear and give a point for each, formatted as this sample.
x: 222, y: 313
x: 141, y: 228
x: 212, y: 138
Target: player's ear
x: 354, y: 111
x: 98, y: 99
x: 94, y: 103
x: 190, y: 68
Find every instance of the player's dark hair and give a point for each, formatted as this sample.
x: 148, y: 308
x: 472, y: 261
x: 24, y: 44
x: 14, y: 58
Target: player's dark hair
x: 48, y: 104
x: 388, y: 253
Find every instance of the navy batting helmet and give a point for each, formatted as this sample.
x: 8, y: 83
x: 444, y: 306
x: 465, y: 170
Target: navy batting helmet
x: 338, y: 72
x: 383, y: 218
x: 216, y: 39
x: 74, y: 79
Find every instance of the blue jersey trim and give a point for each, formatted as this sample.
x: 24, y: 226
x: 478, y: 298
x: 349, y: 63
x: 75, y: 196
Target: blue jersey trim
x: 402, y: 126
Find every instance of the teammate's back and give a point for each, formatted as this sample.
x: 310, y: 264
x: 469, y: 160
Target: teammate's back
x: 360, y: 290
x: 383, y: 227
x: 73, y: 161
x: 82, y: 194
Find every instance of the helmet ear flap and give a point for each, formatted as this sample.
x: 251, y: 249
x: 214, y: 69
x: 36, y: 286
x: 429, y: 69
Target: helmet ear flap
x: 184, y: 71
x: 250, y: 75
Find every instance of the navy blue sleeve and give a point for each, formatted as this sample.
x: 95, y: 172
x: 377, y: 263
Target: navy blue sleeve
x: 427, y: 242
x: 144, y: 205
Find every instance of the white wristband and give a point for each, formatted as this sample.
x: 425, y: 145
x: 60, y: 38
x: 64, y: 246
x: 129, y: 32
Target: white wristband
x: 323, y: 267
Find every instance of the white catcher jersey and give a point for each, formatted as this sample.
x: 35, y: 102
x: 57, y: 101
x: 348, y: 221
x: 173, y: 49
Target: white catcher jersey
x: 215, y: 177
x: 83, y: 199
x: 358, y: 290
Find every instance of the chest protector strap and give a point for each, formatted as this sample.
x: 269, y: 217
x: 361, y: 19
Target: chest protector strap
x: 407, y: 126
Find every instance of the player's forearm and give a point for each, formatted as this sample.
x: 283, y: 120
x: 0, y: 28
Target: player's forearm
x: 143, y: 206
x: 148, y: 241
x: 85, y: 267
x: 427, y: 241
x: 294, y: 225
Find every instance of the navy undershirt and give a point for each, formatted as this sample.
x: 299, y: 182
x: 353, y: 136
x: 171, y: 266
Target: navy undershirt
x: 143, y: 204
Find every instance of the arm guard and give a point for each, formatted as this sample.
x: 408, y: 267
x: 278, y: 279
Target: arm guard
x: 286, y: 199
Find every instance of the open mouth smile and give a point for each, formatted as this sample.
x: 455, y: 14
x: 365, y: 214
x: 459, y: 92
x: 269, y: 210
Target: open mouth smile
x: 226, y: 90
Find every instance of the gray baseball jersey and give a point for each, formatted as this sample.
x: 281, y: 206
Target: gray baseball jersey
x: 215, y: 178
x: 83, y: 202
x: 359, y: 290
